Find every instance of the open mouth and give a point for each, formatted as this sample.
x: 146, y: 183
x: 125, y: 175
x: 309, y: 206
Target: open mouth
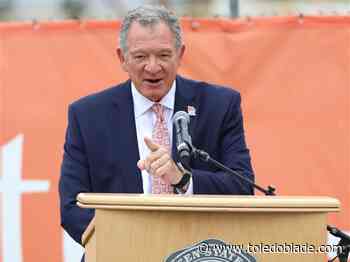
x: 153, y: 81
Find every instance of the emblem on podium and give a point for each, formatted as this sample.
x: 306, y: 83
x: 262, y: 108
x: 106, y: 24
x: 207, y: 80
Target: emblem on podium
x: 211, y: 250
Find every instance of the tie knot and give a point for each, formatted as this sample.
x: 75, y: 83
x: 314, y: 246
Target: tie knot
x: 159, y: 111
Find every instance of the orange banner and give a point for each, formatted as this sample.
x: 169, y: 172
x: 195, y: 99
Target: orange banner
x: 293, y: 74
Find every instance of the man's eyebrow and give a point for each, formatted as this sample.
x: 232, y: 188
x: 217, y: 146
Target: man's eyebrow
x: 166, y: 50
x: 137, y: 51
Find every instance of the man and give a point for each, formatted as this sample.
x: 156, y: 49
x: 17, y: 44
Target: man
x: 120, y: 140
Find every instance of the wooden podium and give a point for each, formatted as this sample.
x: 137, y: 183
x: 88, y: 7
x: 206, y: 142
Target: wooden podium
x: 149, y: 228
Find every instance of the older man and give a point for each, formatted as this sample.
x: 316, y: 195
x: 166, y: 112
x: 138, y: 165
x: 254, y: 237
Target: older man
x: 120, y: 140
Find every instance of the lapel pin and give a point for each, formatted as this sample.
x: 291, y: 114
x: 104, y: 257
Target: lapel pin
x: 191, y: 110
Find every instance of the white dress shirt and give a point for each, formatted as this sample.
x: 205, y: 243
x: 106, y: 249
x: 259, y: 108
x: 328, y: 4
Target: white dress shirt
x: 145, y: 119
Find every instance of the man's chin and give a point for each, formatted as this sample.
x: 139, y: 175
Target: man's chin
x: 154, y: 93
x: 153, y: 86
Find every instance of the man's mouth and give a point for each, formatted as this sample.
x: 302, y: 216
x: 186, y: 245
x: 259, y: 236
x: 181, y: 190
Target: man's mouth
x: 153, y: 81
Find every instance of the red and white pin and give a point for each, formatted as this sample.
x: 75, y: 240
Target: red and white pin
x: 191, y: 110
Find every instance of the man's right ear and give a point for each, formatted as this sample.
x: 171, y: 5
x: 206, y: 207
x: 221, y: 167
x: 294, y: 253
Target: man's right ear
x: 122, y: 59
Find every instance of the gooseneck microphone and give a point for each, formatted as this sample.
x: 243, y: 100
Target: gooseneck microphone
x: 337, y: 233
x: 186, y: 151
x: 181, y: 122
x: 343, y: 245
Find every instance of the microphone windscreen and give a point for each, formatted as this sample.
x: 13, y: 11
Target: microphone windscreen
x: 181, y: 115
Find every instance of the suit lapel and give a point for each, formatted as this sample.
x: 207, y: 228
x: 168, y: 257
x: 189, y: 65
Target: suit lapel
x: 184, y: 97
x: 125, y: 142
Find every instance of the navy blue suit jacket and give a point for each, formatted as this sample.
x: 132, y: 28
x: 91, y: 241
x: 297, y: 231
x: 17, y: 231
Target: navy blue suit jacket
x: 101, y: 151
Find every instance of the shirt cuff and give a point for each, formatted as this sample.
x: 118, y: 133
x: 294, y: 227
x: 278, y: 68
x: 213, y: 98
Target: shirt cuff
x: 190, y: 188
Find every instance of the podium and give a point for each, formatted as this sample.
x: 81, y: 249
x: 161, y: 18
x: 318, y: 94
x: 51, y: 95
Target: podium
x: 151, y: 228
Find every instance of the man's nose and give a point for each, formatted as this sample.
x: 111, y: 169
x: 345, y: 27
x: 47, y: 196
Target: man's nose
x: 153, y: 66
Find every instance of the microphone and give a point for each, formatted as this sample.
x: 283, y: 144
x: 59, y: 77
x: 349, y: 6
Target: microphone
x: 344, y: 244
x: 184, y: 147
x: 337, y: 233
x: 185, y: 150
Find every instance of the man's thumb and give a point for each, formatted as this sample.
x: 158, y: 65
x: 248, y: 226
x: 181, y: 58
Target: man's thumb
x: 151, y: 145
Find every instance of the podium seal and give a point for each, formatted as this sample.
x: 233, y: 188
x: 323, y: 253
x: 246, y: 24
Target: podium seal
x: 211, y: 250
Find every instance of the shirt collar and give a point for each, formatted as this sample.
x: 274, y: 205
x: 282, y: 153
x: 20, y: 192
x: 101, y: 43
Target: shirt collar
x: 143, y: 104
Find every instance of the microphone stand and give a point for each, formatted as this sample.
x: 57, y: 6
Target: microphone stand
x: 205, y: 157
x: 343, y: 244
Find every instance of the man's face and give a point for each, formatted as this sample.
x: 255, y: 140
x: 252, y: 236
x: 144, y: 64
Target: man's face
x: 152, y: 59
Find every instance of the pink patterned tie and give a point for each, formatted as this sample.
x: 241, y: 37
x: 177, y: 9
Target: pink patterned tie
x: 160, y: 136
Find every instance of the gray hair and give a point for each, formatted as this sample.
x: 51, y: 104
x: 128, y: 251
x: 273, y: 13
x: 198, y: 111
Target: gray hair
x: 148, y: 15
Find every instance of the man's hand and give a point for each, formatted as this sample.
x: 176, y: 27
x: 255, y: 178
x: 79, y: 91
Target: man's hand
x: 159, y: 163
